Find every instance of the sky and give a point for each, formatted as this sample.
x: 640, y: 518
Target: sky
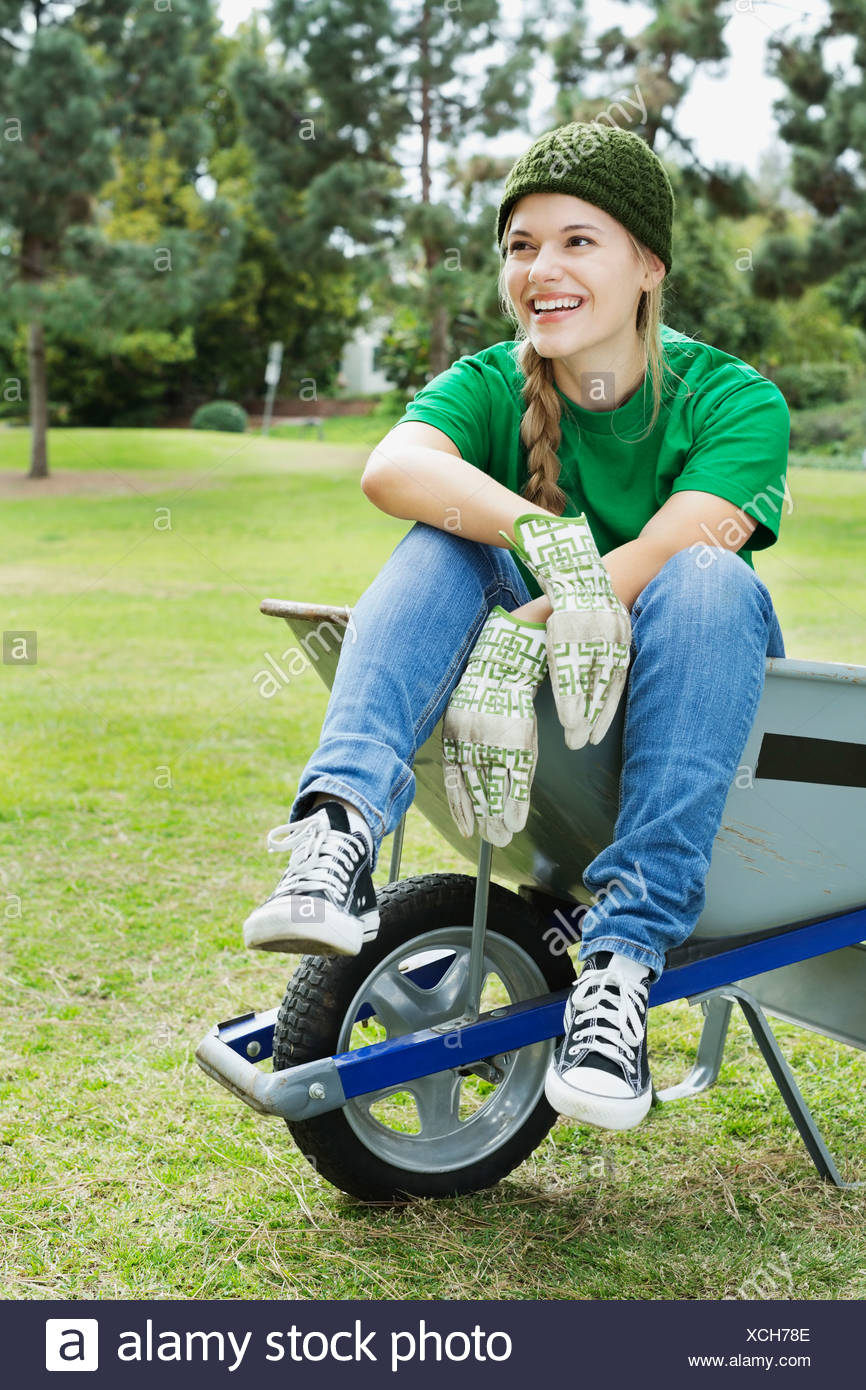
x: 729, y: 115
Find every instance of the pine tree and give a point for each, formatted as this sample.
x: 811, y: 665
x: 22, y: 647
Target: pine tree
x: 360, y: 78
x: 823, y: 119
x: 646, y: 76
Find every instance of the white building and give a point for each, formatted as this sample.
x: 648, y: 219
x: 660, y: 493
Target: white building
x: 358, y: 376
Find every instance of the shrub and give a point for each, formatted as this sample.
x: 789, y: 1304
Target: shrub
x: 812, y: 383
x: 839, y: 428
x: 220, y: 415
x: 391, y: 402
x: 816, y: 431
x: 145, y: 416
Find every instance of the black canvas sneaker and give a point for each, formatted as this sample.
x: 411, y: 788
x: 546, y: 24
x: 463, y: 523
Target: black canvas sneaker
x: 325, y: 902
x: 600, y: 1074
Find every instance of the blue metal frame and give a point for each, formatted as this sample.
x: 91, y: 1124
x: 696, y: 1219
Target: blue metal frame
x: 401, y: 1059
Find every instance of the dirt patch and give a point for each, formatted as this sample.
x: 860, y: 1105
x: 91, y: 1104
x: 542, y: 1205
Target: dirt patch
x: 106, y: 481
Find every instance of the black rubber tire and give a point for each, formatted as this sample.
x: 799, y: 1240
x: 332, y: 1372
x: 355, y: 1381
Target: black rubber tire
x: 314, y: 1008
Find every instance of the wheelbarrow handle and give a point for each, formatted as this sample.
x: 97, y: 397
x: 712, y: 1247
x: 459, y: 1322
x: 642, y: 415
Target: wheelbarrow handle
x: 297, y: 1093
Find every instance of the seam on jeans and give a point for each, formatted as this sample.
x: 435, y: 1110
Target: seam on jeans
x: 776, y: 629
x: 765, y: 597
x: 510, y: 573
x: 462, y: 654
x: 395, y: 793
x: 748, y: 721
x: 494, y: 585
x: 627, y: 698
x: 746, y: 726
x: 519, y: 601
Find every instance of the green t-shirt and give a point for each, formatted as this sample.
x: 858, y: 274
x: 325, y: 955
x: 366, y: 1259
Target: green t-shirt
x: 723, y: 428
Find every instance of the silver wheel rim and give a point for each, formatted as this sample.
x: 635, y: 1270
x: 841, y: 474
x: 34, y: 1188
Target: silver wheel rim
x: 452, y: 1130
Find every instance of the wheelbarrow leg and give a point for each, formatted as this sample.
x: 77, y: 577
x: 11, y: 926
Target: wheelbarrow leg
x: 784, y: 1079
x: 479, y: 931
x: 711, y: 1049
x: 470, y: 997
x: 717, y: 1008
x: 468, y: 1001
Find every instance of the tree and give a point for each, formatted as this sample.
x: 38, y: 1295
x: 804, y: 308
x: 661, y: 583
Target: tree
x: 652, y: 71
x: 54, y: 154
x: 709, y: 294
x: 822, y: 117
x: 85, y: 93
x: 381, y: 73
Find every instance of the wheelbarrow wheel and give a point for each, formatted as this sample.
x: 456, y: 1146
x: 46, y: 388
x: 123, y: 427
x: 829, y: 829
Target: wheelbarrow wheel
x: 452, y: 1132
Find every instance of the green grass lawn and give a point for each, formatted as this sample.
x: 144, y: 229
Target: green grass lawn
x: 142, y: 771
x: 363, y: 430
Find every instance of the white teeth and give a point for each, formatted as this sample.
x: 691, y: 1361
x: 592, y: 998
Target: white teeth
x: 556, y: 304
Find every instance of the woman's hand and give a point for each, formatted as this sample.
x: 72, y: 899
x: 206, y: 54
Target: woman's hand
x: 489, y: 734
x: 537, y: 610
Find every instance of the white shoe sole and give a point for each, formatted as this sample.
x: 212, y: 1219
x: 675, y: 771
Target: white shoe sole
x: 271, y: 928
x: 608, y: 1112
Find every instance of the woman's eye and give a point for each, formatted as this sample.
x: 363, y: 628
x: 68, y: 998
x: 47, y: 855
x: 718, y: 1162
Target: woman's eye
x: 518, y: 245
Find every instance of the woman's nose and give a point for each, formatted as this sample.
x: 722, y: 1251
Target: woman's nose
x: 545, y: 267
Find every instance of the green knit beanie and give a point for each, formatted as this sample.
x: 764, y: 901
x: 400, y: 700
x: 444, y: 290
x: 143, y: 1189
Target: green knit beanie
x: 613, y: 169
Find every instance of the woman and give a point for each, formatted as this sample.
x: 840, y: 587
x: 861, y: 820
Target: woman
x: 597, y: 432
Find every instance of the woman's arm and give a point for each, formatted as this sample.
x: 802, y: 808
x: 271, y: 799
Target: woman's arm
x: 687, y: 518
x: 416, y: 473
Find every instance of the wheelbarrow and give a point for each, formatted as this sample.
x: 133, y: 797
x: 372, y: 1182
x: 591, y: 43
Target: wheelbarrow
x: 417, y: 1067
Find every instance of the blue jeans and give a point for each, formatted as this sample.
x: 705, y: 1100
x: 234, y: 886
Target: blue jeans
x: 701, y: 630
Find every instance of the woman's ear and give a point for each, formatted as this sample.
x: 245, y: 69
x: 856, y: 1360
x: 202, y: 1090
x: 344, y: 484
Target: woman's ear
x: 655, y: 274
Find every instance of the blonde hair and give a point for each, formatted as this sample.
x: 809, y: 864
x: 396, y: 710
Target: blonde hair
x: 540, y: 428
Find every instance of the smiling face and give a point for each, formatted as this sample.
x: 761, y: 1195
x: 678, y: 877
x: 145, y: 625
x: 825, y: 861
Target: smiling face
x: 559, y: 247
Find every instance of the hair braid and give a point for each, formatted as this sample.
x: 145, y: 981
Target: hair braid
x: 540, y: 429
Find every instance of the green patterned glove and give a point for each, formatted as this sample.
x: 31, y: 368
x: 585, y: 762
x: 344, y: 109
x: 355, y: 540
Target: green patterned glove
x: 489, y: 735
x: 589, y: 630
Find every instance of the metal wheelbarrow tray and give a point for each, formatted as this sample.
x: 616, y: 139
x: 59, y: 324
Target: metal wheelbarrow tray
x: 782, y: 931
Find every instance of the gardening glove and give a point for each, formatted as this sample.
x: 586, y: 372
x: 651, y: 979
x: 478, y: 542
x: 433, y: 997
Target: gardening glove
x: 489, y: 734
x: 589, y: 630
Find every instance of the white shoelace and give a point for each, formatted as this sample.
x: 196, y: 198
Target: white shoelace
x: 322, y: 858
x: 615, y: 1033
